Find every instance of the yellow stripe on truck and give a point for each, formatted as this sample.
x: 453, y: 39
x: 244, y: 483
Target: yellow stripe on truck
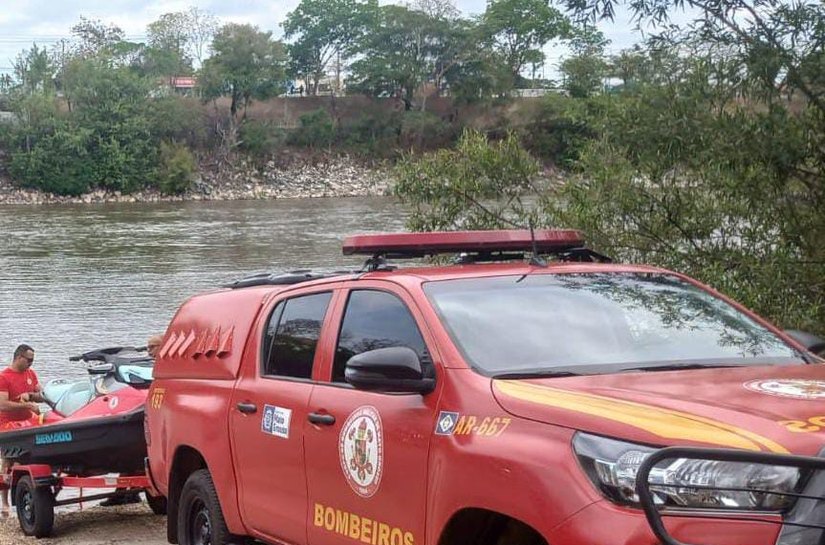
x: 665, y: 423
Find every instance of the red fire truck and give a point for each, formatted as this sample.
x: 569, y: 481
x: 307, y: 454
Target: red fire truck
x: 529, y: 392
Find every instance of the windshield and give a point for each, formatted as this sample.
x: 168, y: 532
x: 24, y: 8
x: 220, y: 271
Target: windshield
x: 597, y: 323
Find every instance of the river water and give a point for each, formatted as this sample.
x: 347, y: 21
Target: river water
x: 75, y: 278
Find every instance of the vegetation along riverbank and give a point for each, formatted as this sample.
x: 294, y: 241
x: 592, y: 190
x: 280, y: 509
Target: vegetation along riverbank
x: 700, y: 149
x: 325, y: 176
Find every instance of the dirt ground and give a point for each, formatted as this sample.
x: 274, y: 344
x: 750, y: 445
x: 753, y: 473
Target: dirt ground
x: 121, y: 525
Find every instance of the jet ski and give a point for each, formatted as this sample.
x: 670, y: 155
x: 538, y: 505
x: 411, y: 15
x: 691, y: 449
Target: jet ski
x: 95, y: 425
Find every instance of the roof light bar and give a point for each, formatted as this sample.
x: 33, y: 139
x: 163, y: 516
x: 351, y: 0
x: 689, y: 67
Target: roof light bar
x: 450, y: 242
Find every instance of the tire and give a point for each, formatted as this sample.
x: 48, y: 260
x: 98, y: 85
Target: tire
x: 35, y: 508
x: 156, y: 503
x: 200, y: 519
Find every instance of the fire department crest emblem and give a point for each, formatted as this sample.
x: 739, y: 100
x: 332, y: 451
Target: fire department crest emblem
x: 795, y: 388
x: 361, y: 450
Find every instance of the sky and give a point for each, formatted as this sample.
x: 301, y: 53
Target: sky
x: 23, y: 22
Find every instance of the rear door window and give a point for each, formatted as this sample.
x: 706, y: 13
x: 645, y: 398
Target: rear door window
x: 292, y: 335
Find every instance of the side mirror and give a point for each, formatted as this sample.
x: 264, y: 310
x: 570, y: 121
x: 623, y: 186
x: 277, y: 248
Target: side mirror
x: 395, y: 369
x: 808, y: 340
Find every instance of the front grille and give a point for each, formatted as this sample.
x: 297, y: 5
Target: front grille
x: 803, y: 524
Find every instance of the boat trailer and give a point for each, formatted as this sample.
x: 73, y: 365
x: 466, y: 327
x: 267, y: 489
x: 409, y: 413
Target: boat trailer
x: 36, y: 489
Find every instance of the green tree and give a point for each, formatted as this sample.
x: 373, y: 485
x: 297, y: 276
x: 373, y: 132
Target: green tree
x: 453, y: 43
x: 561, y: 128
x: 6, y: 83
x: 478, y: 185
x: 437, y: 9
x: 168, y: 43
x: 519, y: 29
x: 93, y: 37
x: 479, y: 77
x: 37, y: 117
x: 111, y: 103
x: 325, y: 31
x: 735, y: 191
x: 406, y: 49
x: 176, y: 39
x: 679, y: 173
x: 247, y: 64
x: 680, y: 182
x: 178, y: 119
x: 202, y: 27
x: 630, y: 66
x: 35, y: 70
x: 584, y: 71
x: 57, y: 163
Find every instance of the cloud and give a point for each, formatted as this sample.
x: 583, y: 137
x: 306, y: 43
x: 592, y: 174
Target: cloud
x: 45, y: 22
x: 23, y: 22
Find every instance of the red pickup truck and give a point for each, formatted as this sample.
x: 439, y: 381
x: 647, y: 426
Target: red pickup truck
x: 491, y: 401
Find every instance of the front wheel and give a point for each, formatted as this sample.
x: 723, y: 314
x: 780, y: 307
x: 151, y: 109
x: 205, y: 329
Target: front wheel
x: 200, y: 519
x: 35, y: 507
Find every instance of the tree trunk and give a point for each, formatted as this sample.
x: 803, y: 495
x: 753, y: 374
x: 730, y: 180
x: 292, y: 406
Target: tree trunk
x: 232, y: 133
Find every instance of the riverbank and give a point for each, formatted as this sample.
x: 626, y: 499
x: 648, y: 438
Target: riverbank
x: 322, y: 177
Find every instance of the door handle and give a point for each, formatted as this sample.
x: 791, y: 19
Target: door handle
x: 247, y: 408
x: 321, y: 419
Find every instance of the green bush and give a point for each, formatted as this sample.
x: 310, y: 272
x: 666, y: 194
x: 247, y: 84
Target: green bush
x: 58, y: 163
x: 259, y: 138
x: 125, y: 156
x: 177, y: 169
x: 423, y: 130
x: 722, y: 194
x: 444, y: 188
x: 559, y: 132
x: 178, y: 118
x: 316, y: 130
x: 7, y: 135
x: 373, y: 133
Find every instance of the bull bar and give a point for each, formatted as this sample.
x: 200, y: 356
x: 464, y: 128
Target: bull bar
x: 803, y: 524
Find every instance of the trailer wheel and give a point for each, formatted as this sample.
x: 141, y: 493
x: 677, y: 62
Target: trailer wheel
x: 200, y: 519
x: 156, y: 503
x: 35, y: 507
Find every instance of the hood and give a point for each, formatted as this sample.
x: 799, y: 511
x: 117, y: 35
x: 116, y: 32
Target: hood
x: 761, y: 408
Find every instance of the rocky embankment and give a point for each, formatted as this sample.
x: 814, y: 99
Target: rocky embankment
x: 330, y: 177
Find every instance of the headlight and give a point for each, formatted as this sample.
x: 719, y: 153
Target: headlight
x: 687, y: 483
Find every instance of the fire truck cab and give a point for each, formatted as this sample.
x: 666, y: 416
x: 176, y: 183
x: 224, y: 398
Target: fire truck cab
x: 496, y: 400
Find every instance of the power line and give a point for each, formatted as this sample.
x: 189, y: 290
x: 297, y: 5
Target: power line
x: 6, y: 39
x: 57, y: 36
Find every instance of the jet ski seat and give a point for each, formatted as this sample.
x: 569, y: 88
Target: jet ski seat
x: 75, y: 397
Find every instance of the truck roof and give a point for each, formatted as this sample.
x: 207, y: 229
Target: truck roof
x: 433, y: 273
x: 208, y: 333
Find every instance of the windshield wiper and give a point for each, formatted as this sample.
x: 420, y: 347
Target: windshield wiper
x: 677, y: 367
x: 537, y: 373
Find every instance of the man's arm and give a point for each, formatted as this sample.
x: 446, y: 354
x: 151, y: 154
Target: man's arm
x: 36, y: 393
x: 33, y: 396
x: 7, y: 405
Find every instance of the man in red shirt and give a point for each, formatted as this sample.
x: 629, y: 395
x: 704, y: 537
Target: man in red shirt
x: 19, y: 388
x: 19, y: 393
